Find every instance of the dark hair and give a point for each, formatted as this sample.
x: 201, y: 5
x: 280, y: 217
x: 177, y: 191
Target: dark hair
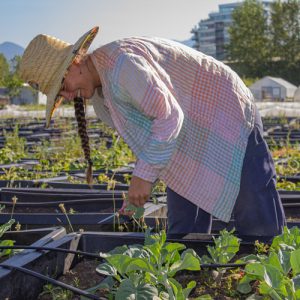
x: 82, y: 131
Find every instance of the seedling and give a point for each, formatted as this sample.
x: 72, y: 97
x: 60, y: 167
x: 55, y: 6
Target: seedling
x: 148, y: 271
x: 278, y: 272
x: 3, y: 228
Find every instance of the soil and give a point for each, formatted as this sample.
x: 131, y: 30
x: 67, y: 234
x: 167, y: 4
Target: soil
x: 3, y: 258
x: 208, y: 283
x: 82, y: 276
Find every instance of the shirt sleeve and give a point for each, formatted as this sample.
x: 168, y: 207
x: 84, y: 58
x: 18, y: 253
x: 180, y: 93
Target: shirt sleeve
x: 145, y: 87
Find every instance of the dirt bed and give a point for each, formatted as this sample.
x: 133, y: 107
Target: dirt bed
x: 82, y: 276
x: 222, y: 287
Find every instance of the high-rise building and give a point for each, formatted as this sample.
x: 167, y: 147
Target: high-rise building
x: 211, y: 35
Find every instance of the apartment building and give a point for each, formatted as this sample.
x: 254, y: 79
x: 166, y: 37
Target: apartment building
x: 211, y: 35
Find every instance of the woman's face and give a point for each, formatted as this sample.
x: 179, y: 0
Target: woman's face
x: 77, y: 82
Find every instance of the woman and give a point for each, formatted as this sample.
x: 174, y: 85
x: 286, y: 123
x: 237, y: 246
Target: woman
x: 189, y: 119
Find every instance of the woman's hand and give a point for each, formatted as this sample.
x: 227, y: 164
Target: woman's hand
x: 139, y: 191
x: 123, y: 211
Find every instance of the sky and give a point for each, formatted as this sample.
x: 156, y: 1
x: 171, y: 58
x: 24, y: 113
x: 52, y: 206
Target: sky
x: 22, y: 20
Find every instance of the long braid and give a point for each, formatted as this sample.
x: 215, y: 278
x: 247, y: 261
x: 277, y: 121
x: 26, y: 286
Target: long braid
x: 82, y: 131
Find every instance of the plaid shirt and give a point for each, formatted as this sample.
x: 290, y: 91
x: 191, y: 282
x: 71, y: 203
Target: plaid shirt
x: 186, y: 116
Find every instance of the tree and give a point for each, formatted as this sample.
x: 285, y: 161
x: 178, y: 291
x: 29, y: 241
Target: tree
x: 249, y: 37
x: 11, y: 79
x: 285, y: 31
x: 4, y: 69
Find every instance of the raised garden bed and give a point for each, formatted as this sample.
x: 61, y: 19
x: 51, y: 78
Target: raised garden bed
x: 53, y: 194
x: 92, y: 242
x: 66, y: 185
x: 217, y: 279
x: 294, y: 179
x: 14, y: 285
x: 17, y: 183
x: 82, y: 210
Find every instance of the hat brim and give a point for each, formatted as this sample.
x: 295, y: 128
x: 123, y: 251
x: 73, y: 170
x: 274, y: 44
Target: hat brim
x: 80, y: 47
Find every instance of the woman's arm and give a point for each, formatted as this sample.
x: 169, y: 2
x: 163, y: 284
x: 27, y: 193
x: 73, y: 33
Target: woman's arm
x: 145, y: 86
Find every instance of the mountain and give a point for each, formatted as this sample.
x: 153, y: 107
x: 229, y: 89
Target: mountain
x: 10, y: 50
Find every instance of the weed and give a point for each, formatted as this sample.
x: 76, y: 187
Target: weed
x: 64, y: 211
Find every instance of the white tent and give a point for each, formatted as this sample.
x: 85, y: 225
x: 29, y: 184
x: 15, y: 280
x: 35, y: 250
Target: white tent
x: 273, y: 89
x: 297, y: 95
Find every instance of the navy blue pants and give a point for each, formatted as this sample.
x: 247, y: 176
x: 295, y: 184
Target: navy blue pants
x: 258, y: 209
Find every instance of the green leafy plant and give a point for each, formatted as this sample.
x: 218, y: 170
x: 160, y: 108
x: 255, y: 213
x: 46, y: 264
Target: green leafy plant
x: 225, y: 248
x: 288, y: 185
x: 3, y: 228
x: 56, y: 293
x: 261, y: 248
x: 14, y: 147
x: 148, y: 271
x: 290, y: 153
x: 278, y: 273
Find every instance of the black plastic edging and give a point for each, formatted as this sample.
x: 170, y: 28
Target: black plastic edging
x: 85, y: 254
x: 17, y: 286
x: 52, y: 281
x: 57, y: 218
x: 92, y: 255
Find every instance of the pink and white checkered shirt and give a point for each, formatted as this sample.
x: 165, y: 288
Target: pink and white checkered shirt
x: 186, y: 116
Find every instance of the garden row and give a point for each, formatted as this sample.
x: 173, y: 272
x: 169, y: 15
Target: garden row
x: 42, y: 188
x: 98, y: 265
x: 282, y: 131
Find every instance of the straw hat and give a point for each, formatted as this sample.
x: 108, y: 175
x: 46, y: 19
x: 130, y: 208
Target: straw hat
x: 45, y: 62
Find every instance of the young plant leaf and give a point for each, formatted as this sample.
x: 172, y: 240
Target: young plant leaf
x: 244, y: 286
x: 296, y: 282
x: 6, y: 251
x: 186, y: 291
x: 285, y: 260
x: 225, y: 248
x: 6, y: 226
x: 295, y: 262
x: 127, y: 291
x: 204, y: 297
x: 188, y: 262
x: 107, y: 283
x: 107, y: 269
x: 135, y: 251
x: 138, y: 211
x: 137, y: 264
x: 177, y: 289
x: 119, y: 250
x: 120, y: 262
x: 171, y: 247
